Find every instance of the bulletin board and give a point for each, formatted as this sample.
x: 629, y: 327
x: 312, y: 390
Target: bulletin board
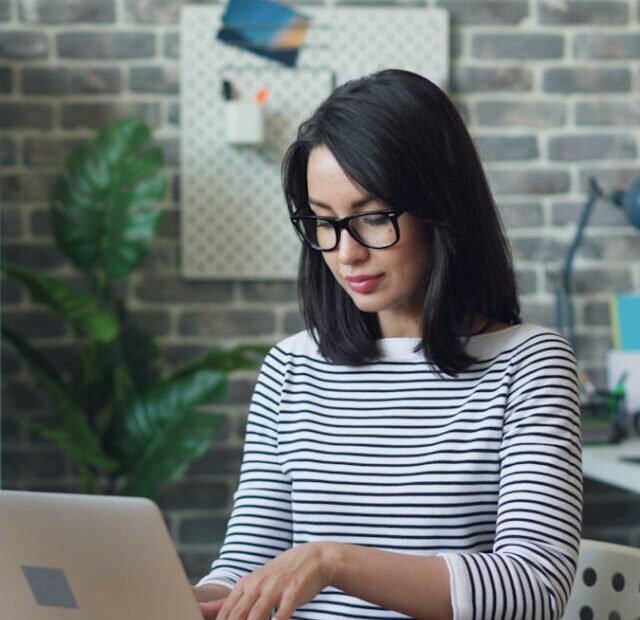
x: 234, y: 221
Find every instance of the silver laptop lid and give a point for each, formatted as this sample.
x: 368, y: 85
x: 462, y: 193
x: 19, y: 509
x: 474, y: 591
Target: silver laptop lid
x: 85, y: 557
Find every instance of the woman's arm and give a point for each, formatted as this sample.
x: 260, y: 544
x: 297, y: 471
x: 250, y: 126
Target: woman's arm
x: 416, y: 586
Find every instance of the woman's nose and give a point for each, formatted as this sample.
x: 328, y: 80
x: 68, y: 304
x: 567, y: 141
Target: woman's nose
x: 349, y: 250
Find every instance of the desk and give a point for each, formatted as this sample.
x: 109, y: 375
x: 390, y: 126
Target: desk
x: 607, y: 464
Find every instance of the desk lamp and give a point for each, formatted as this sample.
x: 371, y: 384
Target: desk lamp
x: 630, y: 202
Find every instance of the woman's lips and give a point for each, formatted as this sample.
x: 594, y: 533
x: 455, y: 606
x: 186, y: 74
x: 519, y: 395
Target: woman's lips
x: 363, y: 284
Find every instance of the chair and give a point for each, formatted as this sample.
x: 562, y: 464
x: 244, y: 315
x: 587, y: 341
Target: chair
x: 607, y: 584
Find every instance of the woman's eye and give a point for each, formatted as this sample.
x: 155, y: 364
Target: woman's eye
x: 323, y: 224
x: 376, y: 220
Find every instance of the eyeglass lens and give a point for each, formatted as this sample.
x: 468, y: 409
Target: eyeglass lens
x: 374, y: 230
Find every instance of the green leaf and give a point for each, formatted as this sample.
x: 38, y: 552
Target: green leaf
x: 79, y: 440
x: 138, y: 352
x: 104, y: 209
x: 244, y: 357
x: 85, y: 313
x: 158, y: 434
x: 172, y: 453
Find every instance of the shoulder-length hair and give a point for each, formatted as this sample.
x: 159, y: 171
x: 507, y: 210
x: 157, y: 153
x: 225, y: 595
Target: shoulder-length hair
x: 396, y: 135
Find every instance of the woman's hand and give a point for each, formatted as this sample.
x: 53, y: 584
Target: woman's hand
x: 210, y: 598
x: 290, y: 580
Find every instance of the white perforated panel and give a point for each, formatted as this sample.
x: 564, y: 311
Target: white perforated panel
x: 234, y: 220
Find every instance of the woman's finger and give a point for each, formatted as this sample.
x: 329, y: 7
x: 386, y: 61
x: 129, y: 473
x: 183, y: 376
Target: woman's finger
x: 210, y: 609
x: 288, y: 604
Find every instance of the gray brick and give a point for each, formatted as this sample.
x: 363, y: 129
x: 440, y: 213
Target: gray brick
x: 161, y: 257
x: 67, y: 11
x: 227, y: 323
x: 541, y: 248
x: 456, y: 44
x: 587, y: 80
x: 271, y: 291
x: 173, y: 114
x: 98, y: 115
x: 240, y: 391
x: 177, y: 355
x: 5, y: 10
x: 618, y: 178
x: 586, y: 147
x: 589, y: 346
x: 603, y: 214
x: 26, y: 187
x: 517, y: 214
x: 110, y: 45
x: 506, y: 148
x: 218, y: 461
x: 607, y: 113
x: 204, y: 495
x: 152, y: 11
x: 592, y: 279
x: 11, y: 222
x: 172, y: 290
x: 18, y: 188
x: 49, y: 151
x: 11, y: 292
x: 527, y: 280
x: 40, y: 256
x: 10, y: 363
x: 479, y: 79
x: 67, y: 81
x: 40, y: 223
x: 583, y: 12
x: 527, y: 181
x: 293, y: 322
x: 533, y: 115
x: 203, y: 530
x: 8, y: 155
x: 170, y: 228
x: 36, y: 324
x: 623, y: 248
x: 597, y: 314
x: 171, y: 45
x: 620, y: 46
x: 21, y: 45
x: 22, y: 396
x: 540, y: 312
x: 161, y: 80
x: 25, y: 116
x: 25, y: 464
x: 10, y: 432
x: 157, y: 321
x: 496, y: 46
x: 6, y: 80
x: 481, y: 12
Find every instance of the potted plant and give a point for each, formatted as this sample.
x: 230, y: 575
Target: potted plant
x: 126, y: 423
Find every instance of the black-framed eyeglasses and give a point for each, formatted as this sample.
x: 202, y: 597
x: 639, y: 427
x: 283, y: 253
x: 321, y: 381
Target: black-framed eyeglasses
x: 374, y: 229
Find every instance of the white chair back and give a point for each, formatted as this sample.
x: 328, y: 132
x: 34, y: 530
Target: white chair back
x: 607, y: 584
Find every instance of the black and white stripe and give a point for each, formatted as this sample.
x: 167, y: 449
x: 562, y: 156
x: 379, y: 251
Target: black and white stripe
x: 482, y: 469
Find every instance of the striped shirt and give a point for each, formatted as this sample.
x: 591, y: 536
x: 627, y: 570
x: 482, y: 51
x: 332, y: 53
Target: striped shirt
x: 482, y: 469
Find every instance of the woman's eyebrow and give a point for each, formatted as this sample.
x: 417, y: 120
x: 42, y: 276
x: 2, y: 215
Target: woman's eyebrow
x: 357, y: 203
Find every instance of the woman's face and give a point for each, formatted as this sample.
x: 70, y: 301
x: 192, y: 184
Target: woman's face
x: 394, y: 275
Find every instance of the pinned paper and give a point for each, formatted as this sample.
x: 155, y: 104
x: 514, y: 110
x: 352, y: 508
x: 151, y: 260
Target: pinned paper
x: 266, y: 28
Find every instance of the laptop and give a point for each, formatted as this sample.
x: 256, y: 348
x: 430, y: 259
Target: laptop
x: 86, y: 557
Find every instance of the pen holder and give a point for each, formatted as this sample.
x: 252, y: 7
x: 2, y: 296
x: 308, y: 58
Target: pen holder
x: 244, y: 122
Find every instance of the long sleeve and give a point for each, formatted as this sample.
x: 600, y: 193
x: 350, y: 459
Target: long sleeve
x: 260, y: 525
x: 530, y: 571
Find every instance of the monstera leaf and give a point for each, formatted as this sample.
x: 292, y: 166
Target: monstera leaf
x: 103, y: 209
x: 85, y: 313
x: 158, y: 434
x: 73, y: 432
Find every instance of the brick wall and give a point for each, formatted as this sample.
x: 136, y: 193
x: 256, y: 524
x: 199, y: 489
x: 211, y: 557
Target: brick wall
x: 549, y: 91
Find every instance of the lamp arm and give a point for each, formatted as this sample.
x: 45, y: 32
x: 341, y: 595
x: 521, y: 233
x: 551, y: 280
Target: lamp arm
x: 594, y: 194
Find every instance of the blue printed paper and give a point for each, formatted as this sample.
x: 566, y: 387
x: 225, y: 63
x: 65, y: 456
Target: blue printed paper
x: 267, y: 28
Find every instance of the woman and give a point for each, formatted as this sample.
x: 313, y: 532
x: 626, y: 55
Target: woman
x: 416, y: 451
